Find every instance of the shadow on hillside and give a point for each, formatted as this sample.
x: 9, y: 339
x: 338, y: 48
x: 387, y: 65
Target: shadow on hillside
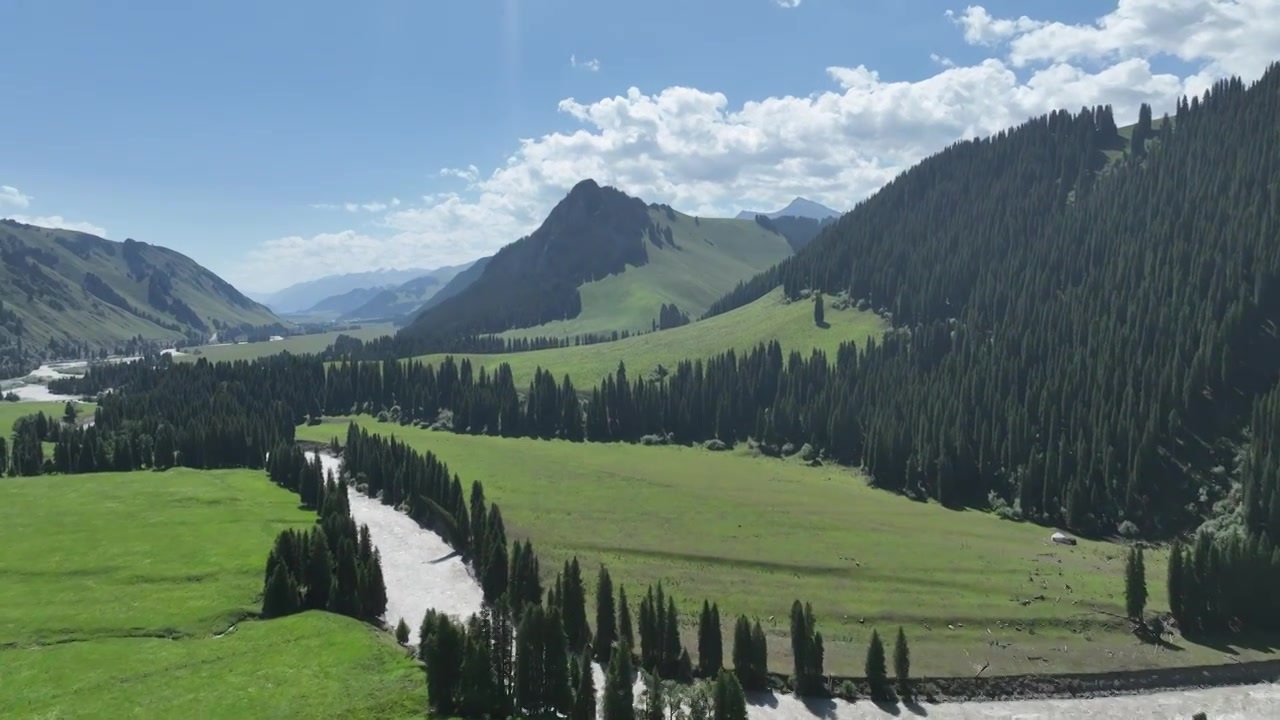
x: 763, y: 699
x: 824, y: 325
x: 443, y: 558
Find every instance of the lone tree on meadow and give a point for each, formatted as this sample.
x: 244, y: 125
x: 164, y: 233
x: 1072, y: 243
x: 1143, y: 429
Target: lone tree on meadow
x: 902, y: 664
x: 819, y: 312
x: 69, y: 412
x: 1135, y: 584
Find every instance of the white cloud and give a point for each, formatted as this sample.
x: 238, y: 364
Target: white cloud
x: 13, y: 197
x: 592, y: 65
x: 704, y: 154
x: 373, y: 206
x: 788, y: 3
x: 982, y: 29
x: 57, y: 221
x: 942, y: 60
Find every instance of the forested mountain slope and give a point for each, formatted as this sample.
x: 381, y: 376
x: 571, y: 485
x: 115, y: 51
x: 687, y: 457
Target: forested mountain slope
x: 603, y: 261
x: 1085, y: 347
x: 76, y: 292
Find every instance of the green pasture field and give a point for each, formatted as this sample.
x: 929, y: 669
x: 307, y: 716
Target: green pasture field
x: 130, y: 595
x: 756, y: 533
x: 769, y: 318
x: 296, y: 344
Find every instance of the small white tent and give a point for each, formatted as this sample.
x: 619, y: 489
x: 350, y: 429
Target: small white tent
x: 1062, y: 539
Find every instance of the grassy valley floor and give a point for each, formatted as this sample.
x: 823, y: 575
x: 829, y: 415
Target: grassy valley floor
x: 117, y: 591
x: 767, y: 319
x: 296, y: 344
x: 755, y: 534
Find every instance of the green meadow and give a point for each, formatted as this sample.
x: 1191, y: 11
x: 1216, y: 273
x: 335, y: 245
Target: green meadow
x: 132, y: 595
x: 755, y: 533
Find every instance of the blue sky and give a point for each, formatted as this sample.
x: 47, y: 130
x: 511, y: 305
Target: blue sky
x: 238, y: 132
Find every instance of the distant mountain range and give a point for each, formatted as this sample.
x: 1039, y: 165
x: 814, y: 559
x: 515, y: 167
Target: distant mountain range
x: 306, y: 295
x: 72, y: 293
x: 406, y: 298
x: 800, y: 207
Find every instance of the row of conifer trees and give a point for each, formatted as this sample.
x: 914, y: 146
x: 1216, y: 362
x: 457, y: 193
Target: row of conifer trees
x: 526, y: 653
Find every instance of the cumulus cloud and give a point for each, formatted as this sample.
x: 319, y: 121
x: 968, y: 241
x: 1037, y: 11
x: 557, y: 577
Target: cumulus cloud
x: 13, y: 197
x: 788, y: 3
x: 707, y: 155
x: 982, y: 29
x: 592, y: 65
x: 57, y: 221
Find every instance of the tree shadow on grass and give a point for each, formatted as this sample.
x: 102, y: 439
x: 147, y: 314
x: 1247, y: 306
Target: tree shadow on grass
x: 1265, y: 643
x: 824, y: 325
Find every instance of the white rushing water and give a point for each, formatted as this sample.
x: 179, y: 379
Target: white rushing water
x: 1253, y: 702
x: 33, y: 387
x: 422, y: 572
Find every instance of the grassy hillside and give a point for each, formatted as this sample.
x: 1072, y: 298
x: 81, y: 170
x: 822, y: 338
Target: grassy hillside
x: 117, y: 585
x: 602, y: 261
x: 79, y: 289
x: 724, y: 526
x: 177, y: 553
x: 297, y: 344
x: 709, y: 257
x: 305, y: 666
x: 769, y: 318
x: 10, y: 412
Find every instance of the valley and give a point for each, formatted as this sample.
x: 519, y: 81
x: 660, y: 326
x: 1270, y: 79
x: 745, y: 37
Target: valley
x: 1002, y: 440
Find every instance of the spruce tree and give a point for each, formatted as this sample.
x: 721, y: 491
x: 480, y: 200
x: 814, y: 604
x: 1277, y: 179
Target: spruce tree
x: 819, y: 312
x: 729, y: 702
x: 444, y: 661
x: 606, y: 622
x: 345, y: 598
x: 716, y: 660
x: 530, y: 652
x: 902, y: 664
x: 574, y: 607
x: 708, y: 637
x: 671, y: 648
x: 655, y: 701
x: 1177, y: 583
x: 618, y: 702
x: 319, y: 571
x: 557, y: 692
x: 877, y: 674
x: 374, y: 602
x: 625, y: 635
x: 402, y: 632
x: 584, y: 699
x: 477, y: 691
x: 1135, y: 584
x: 280, y: 596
